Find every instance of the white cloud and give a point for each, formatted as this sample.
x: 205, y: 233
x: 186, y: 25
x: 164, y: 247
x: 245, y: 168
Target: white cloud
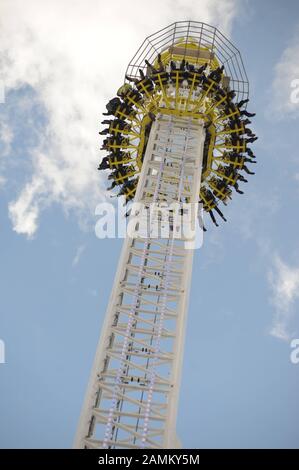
x: 284, y: 282
x: 74, y: 55
x: 6, y: 138
x: 79, y: 253
x: 285, y: 86
x: 25, y: 211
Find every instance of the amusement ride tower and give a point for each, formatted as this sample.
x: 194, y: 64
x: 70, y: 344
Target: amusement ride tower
x: 178, y: 133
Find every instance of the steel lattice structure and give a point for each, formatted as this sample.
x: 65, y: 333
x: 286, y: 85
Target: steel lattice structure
x: 205, y: 37
x: 177, y: 137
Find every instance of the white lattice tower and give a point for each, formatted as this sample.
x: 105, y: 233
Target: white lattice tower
x: 132, y: 396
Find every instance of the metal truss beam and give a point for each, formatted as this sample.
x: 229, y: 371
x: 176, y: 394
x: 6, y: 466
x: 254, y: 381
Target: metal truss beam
x: 132, y: 396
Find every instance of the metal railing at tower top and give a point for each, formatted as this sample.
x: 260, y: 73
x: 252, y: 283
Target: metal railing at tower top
x: 203, y: 36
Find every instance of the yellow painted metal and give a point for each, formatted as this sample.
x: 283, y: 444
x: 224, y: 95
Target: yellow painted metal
x: 180, y: 102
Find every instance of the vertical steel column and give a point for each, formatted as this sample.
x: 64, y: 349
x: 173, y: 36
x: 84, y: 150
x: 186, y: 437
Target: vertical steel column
x: 132, y: 395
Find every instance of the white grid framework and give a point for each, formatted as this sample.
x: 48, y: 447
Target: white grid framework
x: 132, y: 396
x: 206, y: 36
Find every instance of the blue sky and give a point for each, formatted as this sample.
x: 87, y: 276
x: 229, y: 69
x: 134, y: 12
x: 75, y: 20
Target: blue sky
x: 240, y: 389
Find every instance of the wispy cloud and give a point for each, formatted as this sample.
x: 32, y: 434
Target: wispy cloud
x: 6, y: 138
x: 284, y: 283
x: 74, y: 56
x: 285, y: 85
x: 79, y: 253
x: 25, y: 210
